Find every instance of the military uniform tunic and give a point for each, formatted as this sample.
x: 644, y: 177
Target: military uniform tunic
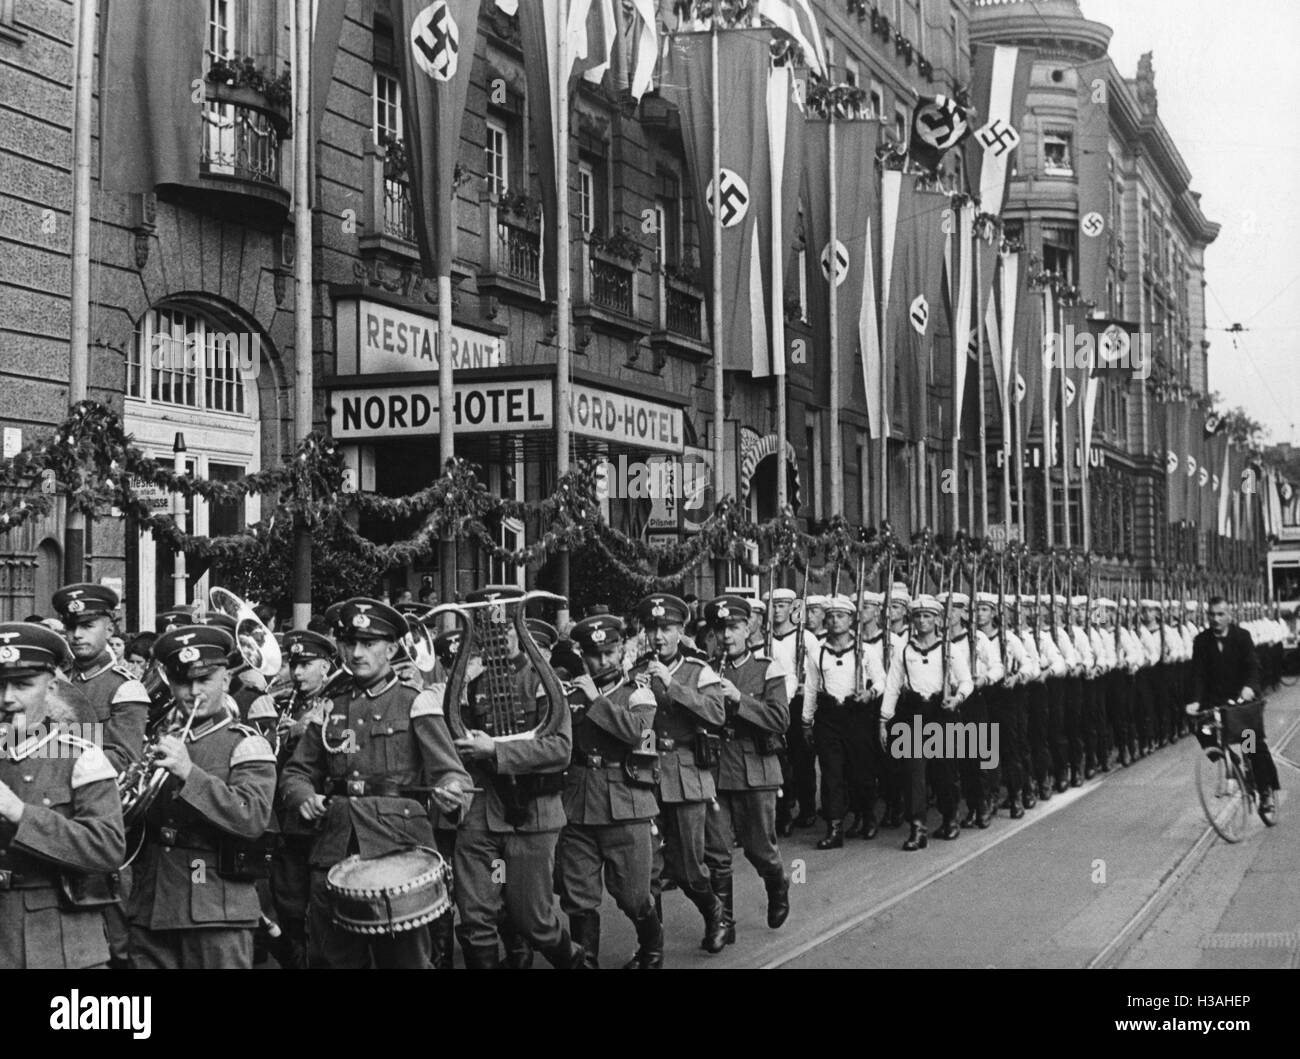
x: 183, y: 913
x: 72, y: 822
x: 120, y: 703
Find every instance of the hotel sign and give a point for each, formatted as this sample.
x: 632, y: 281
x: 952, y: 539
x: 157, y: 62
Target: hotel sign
x: 377, y: 339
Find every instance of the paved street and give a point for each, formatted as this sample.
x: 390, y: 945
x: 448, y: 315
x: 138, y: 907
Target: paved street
x: 1116, y: 873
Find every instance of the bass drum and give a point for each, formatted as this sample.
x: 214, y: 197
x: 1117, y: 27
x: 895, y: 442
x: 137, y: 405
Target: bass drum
x: 391, y: 894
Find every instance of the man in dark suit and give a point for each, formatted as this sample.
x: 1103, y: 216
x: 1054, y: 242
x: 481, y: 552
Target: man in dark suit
x: 1224, y: 667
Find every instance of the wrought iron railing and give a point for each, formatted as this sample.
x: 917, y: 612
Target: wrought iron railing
x: 240, y: 141
x: 520, y: 250
x: 683, y: 312
x: 611, y: 286
x: 399, y: 215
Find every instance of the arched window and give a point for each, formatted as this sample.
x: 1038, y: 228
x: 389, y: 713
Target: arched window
x: 183, y: 358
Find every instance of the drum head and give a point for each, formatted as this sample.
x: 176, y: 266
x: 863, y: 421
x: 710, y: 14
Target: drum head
x: 384, y: 873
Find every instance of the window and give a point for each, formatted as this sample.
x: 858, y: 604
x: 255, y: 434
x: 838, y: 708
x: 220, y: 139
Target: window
x: 225, y: 517
x: 668, y: 218
x: 220, y: 42
x: 498, y: 158
x: 877, y: 100
x: 387, y: 98
x: 901, y: 118
x: 180, y: 358
x: 813, y: 438
x: 1058, y: 252
x: 1056, y: 153
x: 586, y: 197
x: 852, y: 75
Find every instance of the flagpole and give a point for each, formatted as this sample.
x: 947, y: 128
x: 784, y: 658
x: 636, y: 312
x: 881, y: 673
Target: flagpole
x: 1018, y: 452
x: 302, y: 339
x: 1009, y: 376
x: 719, y: 379
x: 1067, y: 455
x: 1047, y: 432
x: 74, y: 532
x: 954, y: 294
x: 833, y: 277
x: 979, y: 381
x: 777, y: 302
x: 563, y: 289
x: 1085, y: 531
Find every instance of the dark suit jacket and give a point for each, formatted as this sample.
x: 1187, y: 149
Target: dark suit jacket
x: 1219, y: 675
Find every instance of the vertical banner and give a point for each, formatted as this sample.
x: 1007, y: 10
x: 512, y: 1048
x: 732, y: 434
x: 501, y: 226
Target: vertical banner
x: 745, y: 180
x: 435, y: 55
x: 1091, y: 148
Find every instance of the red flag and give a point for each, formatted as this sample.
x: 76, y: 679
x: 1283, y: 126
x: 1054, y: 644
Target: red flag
x: 435, y: 54
x: 1091, y: 161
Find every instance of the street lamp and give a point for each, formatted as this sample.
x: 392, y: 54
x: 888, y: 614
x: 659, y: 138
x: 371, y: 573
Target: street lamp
x: 178, y: 515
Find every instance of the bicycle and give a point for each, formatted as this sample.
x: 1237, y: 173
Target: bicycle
x: 1224, y: 780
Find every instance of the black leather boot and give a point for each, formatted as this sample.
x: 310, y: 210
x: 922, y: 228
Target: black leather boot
x: 983, y: 816
x: 519, y: 954
x: 1017, y: 810
x: 778, y: 898
x: 834, y: 836
x: 917, y: 839
x: 972, y: 815
x: 584, y: 929
x: 724, y: 891
x: 1027, y: 799
x: 715, y: 919
x: 649, y: 943
x: 567, y: 955
x: 949, y: 830
x: 870, y: 829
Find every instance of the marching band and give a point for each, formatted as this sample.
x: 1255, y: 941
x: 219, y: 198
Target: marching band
x: 394, y: 789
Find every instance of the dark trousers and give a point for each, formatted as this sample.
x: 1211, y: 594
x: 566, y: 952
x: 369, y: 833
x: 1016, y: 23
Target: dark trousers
x: 615, y: 855
x: 939, y: 773
x: 801, y: 777
x: 1056, y: 738
x: 290, y: 893
x: 976, y: 782
x: 1096, y: 730
x: 506, y: 876
x: 224, y: 948
x: 749, y: 815
x: 1119, y: 709
x: 329, y: 946
x: 1039, y: 760
x: 843, y: 733
x: 1007, y: 711
x: 1144, y: 707
x: 680, y: 852
x: 1072, y: 720
x: 1261, y: 761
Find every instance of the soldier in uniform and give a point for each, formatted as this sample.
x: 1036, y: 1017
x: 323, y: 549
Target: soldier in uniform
x: 311, y: 658
x: 372, y: 765
x: 515, y: 823
x: 801, y: 785
x: 609, y: 798
x: 749, y: 769
x: 688, y: 701
x: 837, y: 708
x: 194, y: 903
x: 118, y: 701
x: 247, y: 686
x: 60, y: 815
x: 915, y: 691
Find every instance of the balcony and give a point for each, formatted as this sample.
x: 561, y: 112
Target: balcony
x: 605, y: 295
x: 390, y: 225
x: 511, y: 268
x: 680, y: 316
x: 240, y: 171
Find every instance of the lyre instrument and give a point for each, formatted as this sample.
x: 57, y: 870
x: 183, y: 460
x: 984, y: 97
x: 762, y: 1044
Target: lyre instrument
x: 485, y: 623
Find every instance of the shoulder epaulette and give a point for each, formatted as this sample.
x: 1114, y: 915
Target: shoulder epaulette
x: 91, y: 765
x: 775, y: 670
x: 252, y: 747
x: 263, y: 708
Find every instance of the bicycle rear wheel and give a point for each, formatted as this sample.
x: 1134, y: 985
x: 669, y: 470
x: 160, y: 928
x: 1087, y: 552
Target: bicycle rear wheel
x: 1225, y: 795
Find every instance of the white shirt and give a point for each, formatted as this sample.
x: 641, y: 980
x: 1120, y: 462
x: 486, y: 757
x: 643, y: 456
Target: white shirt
x: 1034, y: 661
x: 920, y: 669
x: 989, y: 670
x: 834, y: 671
x: 784, y: 651
x: 1083, y: 649
x: 1020, y: 666
x: 1051, y: 659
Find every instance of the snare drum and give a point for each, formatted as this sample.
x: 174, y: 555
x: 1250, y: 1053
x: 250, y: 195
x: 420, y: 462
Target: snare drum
x: 391, y: 894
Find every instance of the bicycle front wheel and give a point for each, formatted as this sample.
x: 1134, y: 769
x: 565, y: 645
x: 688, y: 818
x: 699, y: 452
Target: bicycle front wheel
x: 1225, y: 795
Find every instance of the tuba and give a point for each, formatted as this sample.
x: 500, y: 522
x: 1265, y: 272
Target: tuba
x: 484, y: 624
x: 140, y: 783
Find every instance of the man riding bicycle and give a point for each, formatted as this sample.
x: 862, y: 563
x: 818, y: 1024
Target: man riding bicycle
x: 1224, y: 669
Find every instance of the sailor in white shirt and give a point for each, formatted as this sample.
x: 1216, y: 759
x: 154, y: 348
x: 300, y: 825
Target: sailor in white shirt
x: 1058, y: 670
x: 1038, y: 763
x: 1095, y: 741
x: 1101, y: 642
x: 985, y: 663
x: 1130, y: 659
x: 916, y: 695
x: 1152, y: 716
x: 837, y: 704
x: 799, y: 794
x: 1006, y: 702
x: 875, y: 641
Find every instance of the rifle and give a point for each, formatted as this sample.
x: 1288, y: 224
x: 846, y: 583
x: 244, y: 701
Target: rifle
x: 859, y: 645
x: 1002, y: 620
x: 801, y: 625
x: 887, y: 644
x: 946, y: 649
x: 771, y: 589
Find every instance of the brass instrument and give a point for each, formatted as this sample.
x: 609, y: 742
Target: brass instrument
x: 140, y: 783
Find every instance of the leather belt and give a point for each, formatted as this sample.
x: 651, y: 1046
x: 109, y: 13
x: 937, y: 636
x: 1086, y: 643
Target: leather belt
x: 666, y: 745
x: 186, y: 838
x: 377, y: 789
x: 592, y: 760
x: 13, y: 880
